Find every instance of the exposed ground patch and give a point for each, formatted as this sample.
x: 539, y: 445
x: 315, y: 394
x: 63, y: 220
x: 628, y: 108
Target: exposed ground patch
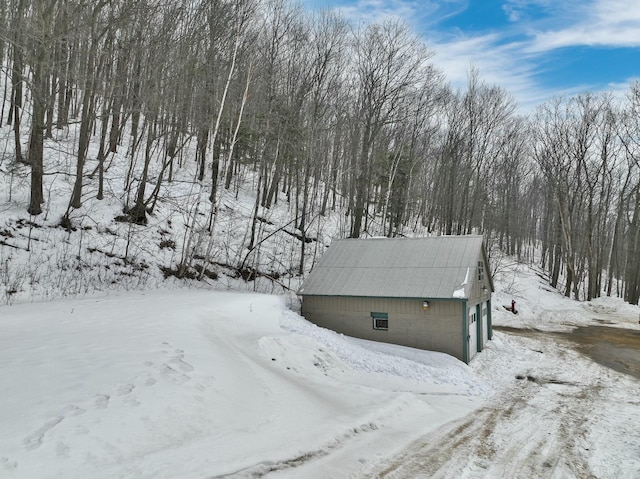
x: 615, y: 348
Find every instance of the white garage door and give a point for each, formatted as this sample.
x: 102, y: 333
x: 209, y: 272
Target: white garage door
x: 485, y: 325
x: 473, y: 332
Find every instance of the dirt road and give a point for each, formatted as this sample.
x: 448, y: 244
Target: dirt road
x: 616, y: 348
x: 547, y: 420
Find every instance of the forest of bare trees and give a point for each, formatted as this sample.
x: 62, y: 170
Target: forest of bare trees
x: 330, y: 117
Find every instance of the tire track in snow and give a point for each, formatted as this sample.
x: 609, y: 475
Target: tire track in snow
x: 262, y: 469
x: 535, y: 427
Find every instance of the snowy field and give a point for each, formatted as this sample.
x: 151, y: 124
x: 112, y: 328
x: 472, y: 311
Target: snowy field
x: 205, y: 384
x: 201, y: 384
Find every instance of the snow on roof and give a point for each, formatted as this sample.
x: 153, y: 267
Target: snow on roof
x: 433, y: 267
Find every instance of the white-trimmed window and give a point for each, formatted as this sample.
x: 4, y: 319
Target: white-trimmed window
x: 480, y: 270
x: 380, y: 321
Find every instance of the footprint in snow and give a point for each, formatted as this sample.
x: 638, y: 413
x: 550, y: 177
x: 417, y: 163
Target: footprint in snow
x: 101, y: 401
x: 173, y: 375
x: 125, y: 389
x: 8, y: 464
x: 34, y: 441
x: 181, y: 364
x: 149, y: 381
x: 132, y: 401
x: 178, y: 359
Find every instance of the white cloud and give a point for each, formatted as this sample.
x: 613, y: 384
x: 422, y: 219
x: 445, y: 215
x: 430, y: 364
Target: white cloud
x: 512, y: 14
x: 620, y: 90
x: 508, y: 65
x: 502, y: 65
x: 371, y: 11
x: 517, y: 65
x: 515, y: 9
x: 539, y: 26
x: 613, y: 23
x: 418, y: 13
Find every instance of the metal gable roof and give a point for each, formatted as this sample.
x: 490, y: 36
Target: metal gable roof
x: 433, y: 267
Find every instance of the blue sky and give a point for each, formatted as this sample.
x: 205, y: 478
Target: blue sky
x: 535, y: 49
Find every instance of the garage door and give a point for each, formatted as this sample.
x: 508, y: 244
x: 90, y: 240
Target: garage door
x: 473, y: 332
x: 485, y: 324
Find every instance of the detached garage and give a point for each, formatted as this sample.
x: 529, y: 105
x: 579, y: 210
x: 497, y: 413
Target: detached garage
x: 429, y: 293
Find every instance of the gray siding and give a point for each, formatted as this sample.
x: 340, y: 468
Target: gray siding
x: 476, y: 293
x: 439, y: 328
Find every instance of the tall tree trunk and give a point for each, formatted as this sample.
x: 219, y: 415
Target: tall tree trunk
x: 40, y: 93
x: 16, y: 99
x: 138, y: 214
x: 118, y: 99
x: 36, y: 141
x: 104, y: 118
x: 85, y: 126
x: 632, y: 268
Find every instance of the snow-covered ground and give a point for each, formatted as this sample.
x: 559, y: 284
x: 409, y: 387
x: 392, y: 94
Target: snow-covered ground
x: 200, y: 384
x: 203, y: 384
x: 555, y: 413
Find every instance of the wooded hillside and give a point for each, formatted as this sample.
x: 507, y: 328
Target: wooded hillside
x: 182, y: 105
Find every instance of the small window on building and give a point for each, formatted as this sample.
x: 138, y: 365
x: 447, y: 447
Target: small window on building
x: 480, y: 271
x: 380, y: 321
